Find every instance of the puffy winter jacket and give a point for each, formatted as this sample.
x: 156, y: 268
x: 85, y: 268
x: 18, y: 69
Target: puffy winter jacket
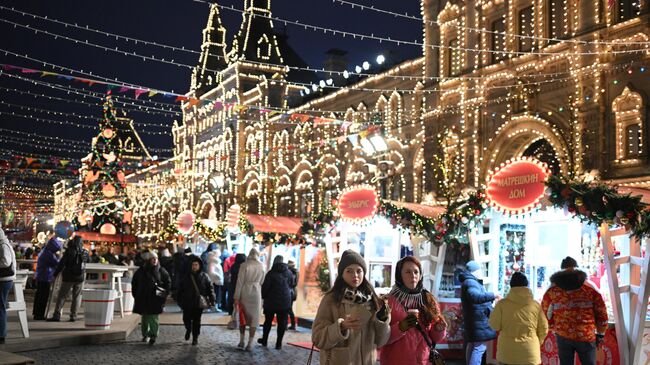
x: 276, y: 289
x: 7, y: 256
x: 575, y: 310
x: 188, y: 298
x: 47, y: 261
x: 407, y: 347
x: 522, y: 327
x: 477, y: 305
x: 143, y: 286
x: 215, y: 271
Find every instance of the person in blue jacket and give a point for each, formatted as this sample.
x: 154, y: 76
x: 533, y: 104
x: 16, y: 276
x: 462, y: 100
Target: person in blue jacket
x: 46, y: 264
x: 477, y: 305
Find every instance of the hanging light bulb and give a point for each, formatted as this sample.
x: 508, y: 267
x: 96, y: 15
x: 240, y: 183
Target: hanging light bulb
x: 366, y: 65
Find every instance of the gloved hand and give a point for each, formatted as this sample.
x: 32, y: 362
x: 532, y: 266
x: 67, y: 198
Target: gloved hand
x: 599, y: 339
x: 382, y: 313
x: 409, y: 322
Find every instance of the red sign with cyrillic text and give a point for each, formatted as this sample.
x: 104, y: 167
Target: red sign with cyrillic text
x: 358, y: 203
x: 517, y: 186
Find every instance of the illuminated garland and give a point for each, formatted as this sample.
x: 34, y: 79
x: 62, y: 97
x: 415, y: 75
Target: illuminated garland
x: 452, y: 226
x: 598, y: 203
x: 171, y: 232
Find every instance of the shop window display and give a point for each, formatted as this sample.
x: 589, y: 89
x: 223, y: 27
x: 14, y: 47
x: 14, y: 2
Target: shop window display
x: 512, y: 239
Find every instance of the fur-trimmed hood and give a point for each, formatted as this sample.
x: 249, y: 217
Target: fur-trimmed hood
x: 569, y: 279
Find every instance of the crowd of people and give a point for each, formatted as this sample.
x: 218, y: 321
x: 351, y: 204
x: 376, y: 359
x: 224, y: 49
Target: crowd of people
x: 352, y: 321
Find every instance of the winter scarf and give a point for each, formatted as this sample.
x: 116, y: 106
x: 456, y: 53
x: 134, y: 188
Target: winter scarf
x: 409, y: 298
x: 355, y: 296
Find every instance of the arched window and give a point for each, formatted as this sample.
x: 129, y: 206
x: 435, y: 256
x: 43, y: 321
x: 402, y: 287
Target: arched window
x: 628, y: 112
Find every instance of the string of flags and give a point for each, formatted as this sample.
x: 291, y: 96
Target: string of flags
x: 187, y: 101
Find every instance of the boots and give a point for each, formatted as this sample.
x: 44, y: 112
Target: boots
x: 249, y: 347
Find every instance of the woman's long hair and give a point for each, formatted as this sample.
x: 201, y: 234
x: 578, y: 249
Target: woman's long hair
x: 431, y: 311
x: 338, y: 289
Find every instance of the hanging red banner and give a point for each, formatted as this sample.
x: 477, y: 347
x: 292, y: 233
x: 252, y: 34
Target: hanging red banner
x: 358, y: 203
x: 517, y: 186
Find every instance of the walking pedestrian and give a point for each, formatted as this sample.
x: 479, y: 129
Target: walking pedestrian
x: 73, y: 267
x: 7, y: 277
x: 416, y: 321
x: 195, y: 284
x: 352, y: 321
x: 276, y: 293
x: 150, y: 285
x: 576, y: 313
x: 215, y: 272
x: 476, y: 305
x: 181, y: 261
x: 240, y: 258
x: 166, y: 260
x: 294, y: 292
x: 45, y: 266
x: 225, y: 255
x: 521, y: 324
x: 204, y: 256
x: 248, y: 295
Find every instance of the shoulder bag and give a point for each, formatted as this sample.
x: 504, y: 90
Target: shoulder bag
x: 203, y: 301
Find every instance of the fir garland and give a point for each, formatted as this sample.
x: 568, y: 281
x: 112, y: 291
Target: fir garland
x: 598, y: 203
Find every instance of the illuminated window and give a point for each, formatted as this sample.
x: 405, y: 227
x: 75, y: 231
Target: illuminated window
x: 628, y: 9
x: 453, y: 58
x: 633, y: 140
x: 556, y: 20
x: 628, y: 111
x: 526, y: 28
x: 498, y: 40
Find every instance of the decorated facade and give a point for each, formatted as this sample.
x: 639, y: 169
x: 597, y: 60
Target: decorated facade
x: 562, y: 81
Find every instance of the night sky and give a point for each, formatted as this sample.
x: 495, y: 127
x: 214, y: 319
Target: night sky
x: 176, y: 23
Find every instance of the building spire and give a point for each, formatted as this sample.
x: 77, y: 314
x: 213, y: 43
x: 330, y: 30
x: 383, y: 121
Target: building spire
x: 256, y: 40
x: 213, y: 53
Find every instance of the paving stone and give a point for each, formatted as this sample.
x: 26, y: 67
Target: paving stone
x: 217, y: 345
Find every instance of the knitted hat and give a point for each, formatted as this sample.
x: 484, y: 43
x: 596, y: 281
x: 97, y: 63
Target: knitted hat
x: 472, y: 266
x: 568, y: 262
x: 148, y: 255
x: 350, y: 257
x: 518, y: 279
x: 278, y: 259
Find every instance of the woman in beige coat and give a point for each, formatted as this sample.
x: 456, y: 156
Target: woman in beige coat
x: 351, y: 321
x: 248, y: 293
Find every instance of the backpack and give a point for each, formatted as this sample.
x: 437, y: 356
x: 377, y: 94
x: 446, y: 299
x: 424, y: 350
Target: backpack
x: 6, y: 271
x: 76, y: 264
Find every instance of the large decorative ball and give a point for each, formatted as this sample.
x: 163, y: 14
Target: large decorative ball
x: 107, y: 228
x: 64, y: 229
x: 185, y: 222
x: 108, y: 133
x: 108, y: 190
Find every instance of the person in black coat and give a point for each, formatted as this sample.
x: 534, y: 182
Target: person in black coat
x: 234, y: 275
x: 150, y: 286
x: 73, y: 266
x: 188, y: 297
x: 294, y: 292
x: 276, y: 292
x: 181, y: 260
x: 477, y: 306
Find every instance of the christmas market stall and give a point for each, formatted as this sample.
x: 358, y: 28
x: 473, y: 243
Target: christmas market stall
x: 534, y: 221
